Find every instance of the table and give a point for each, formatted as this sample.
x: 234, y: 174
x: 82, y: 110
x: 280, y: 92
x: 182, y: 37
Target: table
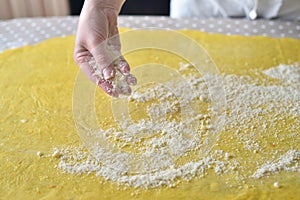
x: 24, y: 31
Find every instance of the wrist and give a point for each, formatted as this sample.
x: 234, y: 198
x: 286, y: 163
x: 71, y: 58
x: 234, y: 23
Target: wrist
x: 113, y: 4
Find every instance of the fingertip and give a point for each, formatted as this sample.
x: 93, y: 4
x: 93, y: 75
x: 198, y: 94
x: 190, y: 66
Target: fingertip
x: 131, y: 80
x: 108, y: 72
x: 126, y: 91
x: 107, y: 87
x: 124, y: 67
x: 114, y: 94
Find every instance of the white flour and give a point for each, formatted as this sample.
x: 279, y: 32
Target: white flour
x: 287, y: 162
x: 163, y: 145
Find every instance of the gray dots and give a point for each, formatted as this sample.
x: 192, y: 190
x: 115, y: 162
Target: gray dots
x: 19, y: 32
x: 194, y: 25
x: 137, y: 21
x: 271, y: 23
x: 186, y: 21
x: 282, y: 35
x: 153, y: 21
x: 24, y: 43
x: 220, y: 30
x: 246, y: 26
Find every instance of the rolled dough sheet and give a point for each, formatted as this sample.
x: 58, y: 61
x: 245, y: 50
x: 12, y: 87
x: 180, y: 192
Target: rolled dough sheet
x: 36, y: 115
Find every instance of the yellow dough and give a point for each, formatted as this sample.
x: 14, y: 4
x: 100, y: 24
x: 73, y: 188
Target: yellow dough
x: 36, y: 116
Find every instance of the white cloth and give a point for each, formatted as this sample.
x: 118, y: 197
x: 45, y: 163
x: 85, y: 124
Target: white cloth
x: 285, y: 9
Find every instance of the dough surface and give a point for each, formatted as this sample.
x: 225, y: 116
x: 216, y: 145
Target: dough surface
x: 36, y: 115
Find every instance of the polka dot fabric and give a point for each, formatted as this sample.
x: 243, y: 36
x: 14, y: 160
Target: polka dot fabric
x: 19, y: 32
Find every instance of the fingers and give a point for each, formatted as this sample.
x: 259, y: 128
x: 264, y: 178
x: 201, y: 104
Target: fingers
x: 104, y: 60
x: 125, y: 91
x: 108, y: 72
x: 100, y: 41
x: 131, y: 80
x: 107, y: 87
x: 124, y: 67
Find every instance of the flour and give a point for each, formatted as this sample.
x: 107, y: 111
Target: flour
x: 289, y: 74
x: 287, y: 162
x: 155, y: 151
x: 119, y: 80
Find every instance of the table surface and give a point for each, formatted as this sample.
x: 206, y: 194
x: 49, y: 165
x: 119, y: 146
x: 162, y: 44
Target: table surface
x: 23, y: 31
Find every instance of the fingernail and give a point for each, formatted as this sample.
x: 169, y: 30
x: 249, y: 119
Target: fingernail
x: 124, y: 67
x: 108, y: 73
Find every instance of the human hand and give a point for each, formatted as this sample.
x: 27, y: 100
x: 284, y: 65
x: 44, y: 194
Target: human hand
x: 97, y: 48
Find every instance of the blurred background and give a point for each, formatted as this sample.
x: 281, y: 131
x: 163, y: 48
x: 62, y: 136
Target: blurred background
x: 37, y: 8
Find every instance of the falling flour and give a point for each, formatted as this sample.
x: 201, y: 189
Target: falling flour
x: 165, y: 145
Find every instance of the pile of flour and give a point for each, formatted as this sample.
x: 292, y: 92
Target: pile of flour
x: 163, y: 151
